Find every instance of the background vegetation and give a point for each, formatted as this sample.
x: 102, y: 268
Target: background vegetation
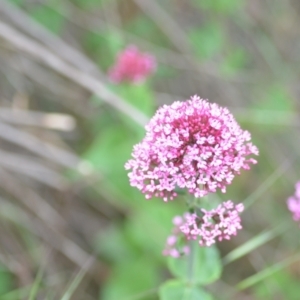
x: 71, y: 227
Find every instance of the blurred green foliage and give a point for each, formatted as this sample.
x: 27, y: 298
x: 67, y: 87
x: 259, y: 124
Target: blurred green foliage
x: 103, y: 46
x: 142, y: 26
x: 90, y: 4
x: 204, y: 269
x: 219, y: 6
x: 131, y: 277
x: 280, y: 286
x: 6, y: 281
x: 235, y: 61
x: 276, y: 98
x: 16, y: 2
x: 48, y: 17
x: 207, y: 40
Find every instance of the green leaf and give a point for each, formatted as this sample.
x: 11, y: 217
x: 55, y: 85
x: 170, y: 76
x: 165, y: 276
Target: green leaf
x: 178, y: 290
x: 207, y: 40
x: 49, y: 18
x: 201, y: 266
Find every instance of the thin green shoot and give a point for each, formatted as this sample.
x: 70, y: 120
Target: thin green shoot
x: 77, y: 280
x: 267, y: 272
x: 267, y: 183
x: 35, y: 287
x: 254, y: 243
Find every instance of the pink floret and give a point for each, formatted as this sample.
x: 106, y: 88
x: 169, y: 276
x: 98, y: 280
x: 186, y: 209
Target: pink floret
x: 206, y: 227
x: 193, y: 145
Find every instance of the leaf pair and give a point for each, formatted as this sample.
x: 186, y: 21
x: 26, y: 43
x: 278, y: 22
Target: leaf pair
x: 201, y: 267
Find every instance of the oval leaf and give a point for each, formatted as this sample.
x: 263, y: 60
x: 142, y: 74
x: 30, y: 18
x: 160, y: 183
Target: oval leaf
x: 178, y: 290
x: 202, y: 266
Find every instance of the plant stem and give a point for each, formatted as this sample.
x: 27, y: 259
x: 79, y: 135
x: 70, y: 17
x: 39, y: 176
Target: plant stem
x: 191, y: 261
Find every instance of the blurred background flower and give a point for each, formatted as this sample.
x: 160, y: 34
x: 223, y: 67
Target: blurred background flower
x: 132, y: 65
x: 293, y: 203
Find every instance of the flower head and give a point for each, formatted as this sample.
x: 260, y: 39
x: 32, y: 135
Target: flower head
x: 293, y: 203
x: 194, y: 145
x: 207, y: 227
x: 132, y: 65
x: 173, y: 249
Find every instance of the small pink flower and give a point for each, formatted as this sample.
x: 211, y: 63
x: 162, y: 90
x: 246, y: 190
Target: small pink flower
x: 207, y: 227
x: 193, y: 145
x: 293, y: 203
x: 132, y: 66
x: 172, y: 247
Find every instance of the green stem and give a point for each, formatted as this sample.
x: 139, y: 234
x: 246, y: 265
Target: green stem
x: 191, y: 264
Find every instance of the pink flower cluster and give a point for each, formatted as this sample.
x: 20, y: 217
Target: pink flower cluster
x: 173, y: 247
x: 217, y: 224
x: 132, y: 66
x: 293, y: 203
x: 194, y: 145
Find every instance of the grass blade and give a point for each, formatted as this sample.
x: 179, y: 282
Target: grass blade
x: 69, y: 292
x: 254, y: 243
x: 35, y: 287
x: 260, y: 276
x: 267, y: 183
